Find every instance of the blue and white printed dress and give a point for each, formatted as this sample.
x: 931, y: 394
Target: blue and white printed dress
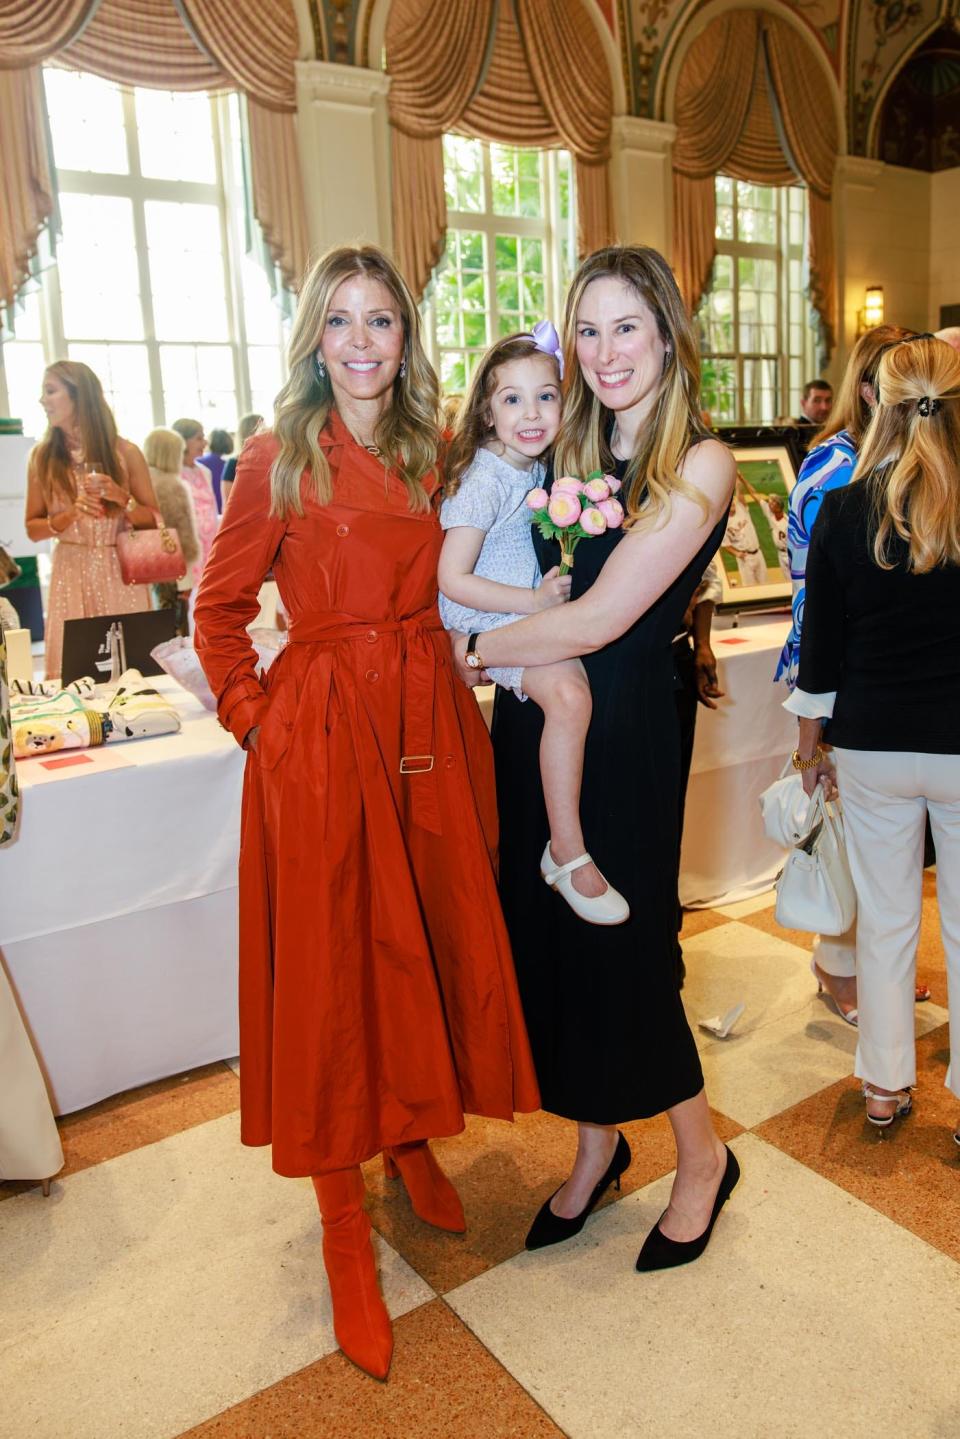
x: 829, y: 466
x: 493, y: 497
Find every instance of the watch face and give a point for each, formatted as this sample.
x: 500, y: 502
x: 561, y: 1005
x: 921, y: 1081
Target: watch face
x: 474, y: 660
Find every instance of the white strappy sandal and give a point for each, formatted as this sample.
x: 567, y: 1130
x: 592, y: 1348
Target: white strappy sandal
x: 903, y: 1100
x: 607, y: 908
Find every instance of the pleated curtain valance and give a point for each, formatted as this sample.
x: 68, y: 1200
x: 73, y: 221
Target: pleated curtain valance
x: 752, y: 102
x: 247, y: 45
x: 521, y: 72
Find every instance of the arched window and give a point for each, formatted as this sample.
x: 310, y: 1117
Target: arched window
x: 153, y: 286
x: 510, y: 250
x: 759, y: 333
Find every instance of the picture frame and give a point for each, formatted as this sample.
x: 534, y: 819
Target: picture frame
x: 753, y: 561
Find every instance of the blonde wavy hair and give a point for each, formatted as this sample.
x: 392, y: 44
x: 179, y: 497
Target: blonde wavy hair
x: 408, y: 432
x: 910, y: 459
x: 850, y: 410
x: 473, y: 425
x: 583, y: 444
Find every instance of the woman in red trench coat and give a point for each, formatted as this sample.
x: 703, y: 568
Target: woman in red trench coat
x: 378, y: 1001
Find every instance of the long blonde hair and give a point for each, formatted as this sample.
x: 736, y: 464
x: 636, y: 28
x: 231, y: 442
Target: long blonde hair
x: 473, y: 427
x: 408, y: 432
x: 916, y: 425
x: 850, y: 410
x: 95, y: 426
x: 653, y: 474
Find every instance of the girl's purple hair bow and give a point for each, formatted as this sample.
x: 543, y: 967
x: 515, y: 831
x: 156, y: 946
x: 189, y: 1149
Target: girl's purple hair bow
x: 546, y: 339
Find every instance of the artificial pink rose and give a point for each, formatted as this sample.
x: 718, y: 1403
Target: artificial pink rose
x: 593, y: 521
x: 568, y: 483
x: 612, y: 512
x: 564, y: 509
x: 612, y: 483
x: 538, y: 499
x: 597, y: 490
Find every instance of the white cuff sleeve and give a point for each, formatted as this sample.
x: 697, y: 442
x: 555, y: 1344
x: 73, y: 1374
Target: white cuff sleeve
x: 808, y: 706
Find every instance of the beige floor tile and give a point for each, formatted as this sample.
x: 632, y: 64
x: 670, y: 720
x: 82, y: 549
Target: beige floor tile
x: 140, y: 1116
x: 443, y: 1384
x: 754, y: 905
x: 737, y: 962
x: 157, y: 1288
x: 783, y: 1330
x: 789, y: 1043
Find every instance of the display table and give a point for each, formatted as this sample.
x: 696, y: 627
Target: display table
x: 118, y: 907
x: 740, y: 748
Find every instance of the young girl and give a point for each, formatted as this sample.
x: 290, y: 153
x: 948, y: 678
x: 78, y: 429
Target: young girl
x: 489, y: 575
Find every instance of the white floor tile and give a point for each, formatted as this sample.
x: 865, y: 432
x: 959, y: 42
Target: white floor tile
x: 753, y: 905
x: 810, y: 1314
x: 788, y: 1044
x: 160, y: 1287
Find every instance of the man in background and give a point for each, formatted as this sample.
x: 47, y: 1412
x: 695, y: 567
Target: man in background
x: 816, y: 403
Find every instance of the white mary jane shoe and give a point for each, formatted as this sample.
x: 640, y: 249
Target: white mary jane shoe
x: 608, y: 908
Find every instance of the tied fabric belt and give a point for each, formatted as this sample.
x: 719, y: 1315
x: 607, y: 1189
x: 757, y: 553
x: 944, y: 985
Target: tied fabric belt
x: 419, y: 672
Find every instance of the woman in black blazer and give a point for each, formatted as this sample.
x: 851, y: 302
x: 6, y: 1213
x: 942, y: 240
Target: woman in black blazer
x: 880, y: 681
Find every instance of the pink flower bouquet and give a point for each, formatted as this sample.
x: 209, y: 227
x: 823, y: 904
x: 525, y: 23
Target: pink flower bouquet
x: 576, y: 510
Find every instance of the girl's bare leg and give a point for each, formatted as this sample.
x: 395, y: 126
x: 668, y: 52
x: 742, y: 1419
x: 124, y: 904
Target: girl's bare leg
x: 562, y: 691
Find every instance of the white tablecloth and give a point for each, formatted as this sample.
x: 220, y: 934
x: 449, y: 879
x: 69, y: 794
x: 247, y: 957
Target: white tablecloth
x: 118, y: 900
x: 740, y: 749
x: 118, y: 909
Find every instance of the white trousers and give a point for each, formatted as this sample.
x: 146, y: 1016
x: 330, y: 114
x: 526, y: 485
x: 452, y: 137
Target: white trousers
x: 886, y: 796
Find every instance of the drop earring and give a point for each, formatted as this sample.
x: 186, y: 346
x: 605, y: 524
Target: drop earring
x: 319, y: 366
x: 403, y: 367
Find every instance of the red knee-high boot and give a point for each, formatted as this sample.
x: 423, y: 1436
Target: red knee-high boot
x: 432, y: 1195
x: 360, y: 1319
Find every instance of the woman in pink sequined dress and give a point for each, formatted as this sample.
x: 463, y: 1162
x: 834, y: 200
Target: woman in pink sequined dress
x: 84, y: 485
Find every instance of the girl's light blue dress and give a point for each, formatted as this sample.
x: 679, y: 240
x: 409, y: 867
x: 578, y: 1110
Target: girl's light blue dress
x: 492, y: 497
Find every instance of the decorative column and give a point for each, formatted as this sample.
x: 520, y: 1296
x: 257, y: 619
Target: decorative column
x: 344, y: 139
x: 641, y: 180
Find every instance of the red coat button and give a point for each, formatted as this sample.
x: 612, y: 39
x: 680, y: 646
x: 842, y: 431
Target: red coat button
x: 372, y: 675
x: 343, y: 530
x: 371, y: 637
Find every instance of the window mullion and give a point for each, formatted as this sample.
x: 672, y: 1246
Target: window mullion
x: 232, y: 260
x: 137, y: 192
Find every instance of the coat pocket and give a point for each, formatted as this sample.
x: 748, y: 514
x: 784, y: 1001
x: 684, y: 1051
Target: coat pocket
x: 276, y: 727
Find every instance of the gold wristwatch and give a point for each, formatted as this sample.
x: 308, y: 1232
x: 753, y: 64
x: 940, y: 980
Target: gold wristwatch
x: 471, y: 659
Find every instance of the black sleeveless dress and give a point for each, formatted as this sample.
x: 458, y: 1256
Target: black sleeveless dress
x: 610, y: 1038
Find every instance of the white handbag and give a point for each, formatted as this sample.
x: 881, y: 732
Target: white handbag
x: 815, y: 890
x: 784, y: 806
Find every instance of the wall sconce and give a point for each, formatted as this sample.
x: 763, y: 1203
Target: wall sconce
x: 872, y: 312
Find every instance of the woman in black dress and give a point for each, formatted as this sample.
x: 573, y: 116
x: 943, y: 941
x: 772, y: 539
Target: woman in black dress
x: 610, y: 1039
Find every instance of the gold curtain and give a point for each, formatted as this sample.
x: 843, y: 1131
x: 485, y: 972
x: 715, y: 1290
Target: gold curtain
x: 571, y: 77
x: 143, y: 42
x: 435, y: 55
x: 809, y: 122
x: 278, y: 201
x: 540, y: 80
x: 254, y: 43
x: 31, y: 30
x: 752, y: 102
x: 26, y: 185
x: 169, y: 44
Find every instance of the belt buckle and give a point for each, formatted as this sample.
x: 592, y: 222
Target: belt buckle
x: 416, y: 763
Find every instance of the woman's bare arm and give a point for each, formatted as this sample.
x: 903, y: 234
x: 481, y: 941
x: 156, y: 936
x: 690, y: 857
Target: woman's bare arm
x: 641, y: 568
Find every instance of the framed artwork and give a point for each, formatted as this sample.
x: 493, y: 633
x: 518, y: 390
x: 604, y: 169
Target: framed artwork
x: 754, y: 566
